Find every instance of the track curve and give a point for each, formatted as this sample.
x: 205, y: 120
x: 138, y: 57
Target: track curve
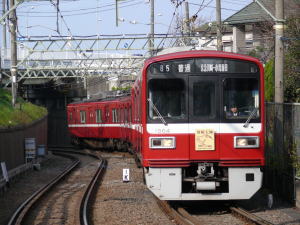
x: 28, y: 205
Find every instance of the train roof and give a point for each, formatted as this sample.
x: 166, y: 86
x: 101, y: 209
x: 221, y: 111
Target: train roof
x: 200, y: 53
x: 107, y: 98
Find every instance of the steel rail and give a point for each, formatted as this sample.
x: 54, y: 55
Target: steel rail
x: 182, y: 217
x: 92, y: 187
x: 179, y: 215
x: 21, y: 211
x: 90, y: 192
x: 249, y: 217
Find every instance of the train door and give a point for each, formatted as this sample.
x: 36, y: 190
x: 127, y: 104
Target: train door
x: 204, y: 117
x: 83, y: 121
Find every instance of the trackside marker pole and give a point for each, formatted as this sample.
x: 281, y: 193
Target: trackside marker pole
x: 126, y: 175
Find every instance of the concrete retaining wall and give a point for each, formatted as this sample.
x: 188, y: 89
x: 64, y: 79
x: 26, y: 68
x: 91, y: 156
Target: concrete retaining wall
x: 12, y: 142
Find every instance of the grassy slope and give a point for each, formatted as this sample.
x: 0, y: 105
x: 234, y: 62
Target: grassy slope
x: 24, y: 113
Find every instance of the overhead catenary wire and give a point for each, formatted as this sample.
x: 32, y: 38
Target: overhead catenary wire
x: 200, y: 8
x: 208, y: 6
x: 82, y: 9
x: 90, y: 12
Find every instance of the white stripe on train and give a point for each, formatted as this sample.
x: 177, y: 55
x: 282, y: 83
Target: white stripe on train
x: 183, y: 128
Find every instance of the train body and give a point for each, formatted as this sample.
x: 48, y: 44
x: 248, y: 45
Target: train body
x: 181, y: 123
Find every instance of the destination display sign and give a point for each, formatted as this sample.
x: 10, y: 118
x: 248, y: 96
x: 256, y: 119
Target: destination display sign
x: 202, y: 65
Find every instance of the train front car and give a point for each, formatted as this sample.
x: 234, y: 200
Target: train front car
x: 204, y: 126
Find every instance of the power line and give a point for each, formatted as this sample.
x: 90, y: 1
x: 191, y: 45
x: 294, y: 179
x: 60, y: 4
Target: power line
x: 82, y: 9
x: 78, y: 14
x: 201, y: 7
x: 208, y: 6
x: 232, y: 2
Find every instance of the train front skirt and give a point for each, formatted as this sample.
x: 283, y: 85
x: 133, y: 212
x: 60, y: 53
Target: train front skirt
x: 166, y: 184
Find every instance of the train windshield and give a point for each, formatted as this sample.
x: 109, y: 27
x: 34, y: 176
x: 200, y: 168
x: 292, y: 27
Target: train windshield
x: 241, y: 98
x: 168, y: 97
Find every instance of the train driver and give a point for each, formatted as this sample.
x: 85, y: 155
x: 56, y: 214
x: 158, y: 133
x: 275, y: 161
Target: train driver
x: 233, y: 111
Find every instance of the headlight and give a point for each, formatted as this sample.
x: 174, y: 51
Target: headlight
x: 246, y: 142
x: 162, y: 142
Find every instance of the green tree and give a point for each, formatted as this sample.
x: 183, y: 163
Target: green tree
x: 269, y: 80
x: 292, y: 60
x: 291, y: 65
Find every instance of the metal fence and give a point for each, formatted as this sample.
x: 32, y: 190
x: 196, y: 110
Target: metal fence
x: 12, y: 142
x: 282, y: 149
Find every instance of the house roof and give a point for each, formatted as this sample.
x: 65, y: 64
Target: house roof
x: 252, y: 13
x: 262, y: 10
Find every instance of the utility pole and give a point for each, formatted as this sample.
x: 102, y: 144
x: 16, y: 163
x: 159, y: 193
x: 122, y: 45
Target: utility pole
x: 4, y: 43
x: 219, y: 25
x: 279, y: 14
x: 151, y: 39
x: 279, y: 99
x: 13, y: 51
x: 187, y: 28
x: 117, y: 14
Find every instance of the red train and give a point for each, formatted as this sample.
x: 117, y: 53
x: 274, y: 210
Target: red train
x: 194, y: 119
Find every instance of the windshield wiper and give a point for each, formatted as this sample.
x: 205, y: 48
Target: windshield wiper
x: 157, y: 112
x: 250, y: 117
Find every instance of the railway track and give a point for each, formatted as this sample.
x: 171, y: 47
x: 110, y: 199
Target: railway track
x: 52, y: 193
x: 182, y: 217
x: 248, y: 216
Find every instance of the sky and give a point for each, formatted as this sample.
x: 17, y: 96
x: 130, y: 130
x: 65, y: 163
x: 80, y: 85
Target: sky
x: 97, y: 17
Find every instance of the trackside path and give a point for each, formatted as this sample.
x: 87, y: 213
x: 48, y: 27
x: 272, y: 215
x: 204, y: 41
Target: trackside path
x: 125, y: 203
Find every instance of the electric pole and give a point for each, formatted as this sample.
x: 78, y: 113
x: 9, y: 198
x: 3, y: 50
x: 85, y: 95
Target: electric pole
x: 4, y: 44
x: 186, y: 24
x: 279, y: 25
x: 187, y: 19
x: 13, y: 51
x: 151, y: 39
x: 279, y: 97
x: 117, y: 14
x: 219, y: 25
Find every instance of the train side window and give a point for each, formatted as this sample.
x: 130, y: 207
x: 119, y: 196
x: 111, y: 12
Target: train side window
x: 125, y: 115
x: 117, y: 115
x: 82, y: 116
x: 114, y: 116
x: 98, y: 116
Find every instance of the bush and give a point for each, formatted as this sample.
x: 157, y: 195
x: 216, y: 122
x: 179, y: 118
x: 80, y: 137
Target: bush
x: 24, y: 113
x: 269, y: 80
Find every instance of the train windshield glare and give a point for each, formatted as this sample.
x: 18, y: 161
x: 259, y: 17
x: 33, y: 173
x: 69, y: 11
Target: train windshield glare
x: 241, y: 97
x: 168, y: 96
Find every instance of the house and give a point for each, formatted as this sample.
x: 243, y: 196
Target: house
x: 248, y: 30
x: 260, y: 15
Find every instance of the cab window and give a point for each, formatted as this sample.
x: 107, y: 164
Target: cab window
x: 241, y: 97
